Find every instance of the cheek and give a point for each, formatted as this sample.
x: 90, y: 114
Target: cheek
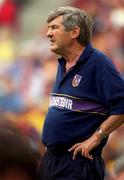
x: 63, y: 38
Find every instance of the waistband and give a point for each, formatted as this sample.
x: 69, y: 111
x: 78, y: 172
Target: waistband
x: 60, y: 149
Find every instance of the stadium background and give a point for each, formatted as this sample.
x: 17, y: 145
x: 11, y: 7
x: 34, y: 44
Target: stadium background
x: 28, y: 68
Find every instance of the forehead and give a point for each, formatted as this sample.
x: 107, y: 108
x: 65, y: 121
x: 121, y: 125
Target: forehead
x: 58, y: 20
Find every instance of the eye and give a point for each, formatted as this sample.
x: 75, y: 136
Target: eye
x: 54, y: 27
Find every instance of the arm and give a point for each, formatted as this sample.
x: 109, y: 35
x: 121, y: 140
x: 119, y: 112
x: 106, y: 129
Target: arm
x: 107, y: 127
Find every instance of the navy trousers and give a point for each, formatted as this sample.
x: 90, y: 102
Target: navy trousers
x: 58, y: 164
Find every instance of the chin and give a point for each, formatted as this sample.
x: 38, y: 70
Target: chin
x: 55, y: 50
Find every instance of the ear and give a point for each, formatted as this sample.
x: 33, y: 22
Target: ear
x: 75, y: 32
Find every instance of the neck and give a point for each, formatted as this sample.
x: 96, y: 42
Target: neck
x: 72, y: 56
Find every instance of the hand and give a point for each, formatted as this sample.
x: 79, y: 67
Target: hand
x: 85, y: 147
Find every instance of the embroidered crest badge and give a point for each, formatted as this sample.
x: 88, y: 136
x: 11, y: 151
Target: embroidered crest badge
x: 76, y: 80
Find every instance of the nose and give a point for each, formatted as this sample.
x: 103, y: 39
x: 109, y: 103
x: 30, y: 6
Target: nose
x: 49, y: 33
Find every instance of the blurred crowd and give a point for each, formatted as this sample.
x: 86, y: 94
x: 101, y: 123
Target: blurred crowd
x: 28, y: 69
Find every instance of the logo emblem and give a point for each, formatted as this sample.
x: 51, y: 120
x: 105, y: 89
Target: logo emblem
x: 76, y: 80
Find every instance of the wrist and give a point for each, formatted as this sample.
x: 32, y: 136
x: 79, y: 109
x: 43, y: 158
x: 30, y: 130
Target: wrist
x: 101, y: 133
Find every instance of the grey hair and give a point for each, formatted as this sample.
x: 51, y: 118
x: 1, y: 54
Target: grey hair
x: 73, y: 17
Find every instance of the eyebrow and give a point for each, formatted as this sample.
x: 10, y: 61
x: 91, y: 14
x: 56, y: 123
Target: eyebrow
x: 53, y: 26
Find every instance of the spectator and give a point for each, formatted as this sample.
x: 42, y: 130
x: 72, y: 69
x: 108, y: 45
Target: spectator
x: 119, y: 168
x: 18, y: 159
x: 8, y: 13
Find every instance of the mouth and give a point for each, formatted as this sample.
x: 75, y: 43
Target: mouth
x: 52, y: 41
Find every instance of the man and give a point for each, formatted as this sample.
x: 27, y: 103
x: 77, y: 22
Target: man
x: 86, y: 103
